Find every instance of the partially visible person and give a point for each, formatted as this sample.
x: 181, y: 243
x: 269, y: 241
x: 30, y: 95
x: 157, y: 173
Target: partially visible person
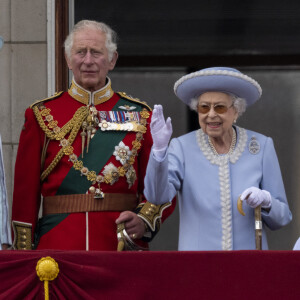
x: 297, y: 245
x: 210, y: 168
x: 5, y: 231
x: 85, y: 151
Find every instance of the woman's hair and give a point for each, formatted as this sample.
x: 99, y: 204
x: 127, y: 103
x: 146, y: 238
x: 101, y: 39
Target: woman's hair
x: 110, y: 42
x: 238, y: 103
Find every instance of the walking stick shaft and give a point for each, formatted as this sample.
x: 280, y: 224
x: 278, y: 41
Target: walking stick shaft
x: 258, y: 228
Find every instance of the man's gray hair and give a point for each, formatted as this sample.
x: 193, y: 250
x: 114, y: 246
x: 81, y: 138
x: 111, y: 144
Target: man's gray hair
x: 110, y: 42
x: 239, y: 104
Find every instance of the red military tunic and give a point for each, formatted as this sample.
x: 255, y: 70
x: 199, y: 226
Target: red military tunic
x: 70, y: 173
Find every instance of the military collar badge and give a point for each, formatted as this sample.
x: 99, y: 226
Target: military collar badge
x: 127, y: 107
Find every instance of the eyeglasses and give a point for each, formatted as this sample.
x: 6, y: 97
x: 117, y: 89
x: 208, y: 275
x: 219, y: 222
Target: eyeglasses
x: 218, y: 108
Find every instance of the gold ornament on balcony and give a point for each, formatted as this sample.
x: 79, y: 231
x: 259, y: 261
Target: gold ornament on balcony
x: 47, y: 269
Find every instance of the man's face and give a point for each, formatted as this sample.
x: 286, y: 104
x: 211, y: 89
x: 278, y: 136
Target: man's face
x: 89, y: 60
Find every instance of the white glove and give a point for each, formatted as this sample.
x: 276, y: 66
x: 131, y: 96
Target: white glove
x: 255, y: 197
x: 161, y: 130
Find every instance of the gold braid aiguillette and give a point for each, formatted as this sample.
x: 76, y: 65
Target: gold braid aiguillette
x: 83, y: 136
x: 79, y: 116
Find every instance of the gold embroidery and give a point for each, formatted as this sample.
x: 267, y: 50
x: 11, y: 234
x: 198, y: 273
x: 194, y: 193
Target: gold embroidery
x: 86, y: 97
x: 73, y: 125
x: 152, y: 214
x: 68, y: 150
x: 125, y: 170
x: 58, y: 133
x: 122, y: 171
x: 45, y: 112
x: 22, y: 235
x: 78, y: 165
x: 145, y: 114
x: 54, y: 132
x: 52, y: 124
x: 136, y: 144
x: 91, y: 176
x: 124, y: 95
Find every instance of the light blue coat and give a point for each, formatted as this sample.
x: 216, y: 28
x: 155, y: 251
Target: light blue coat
x: 5, y: 232
x: 209, y: 185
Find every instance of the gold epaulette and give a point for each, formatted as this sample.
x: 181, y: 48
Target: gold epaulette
x: 22, y: 235
x: 124, y: 95
x: 151, y: 214
x: 56, y: 95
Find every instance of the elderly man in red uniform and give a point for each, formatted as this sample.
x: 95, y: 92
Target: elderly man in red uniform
x: 85, y: 151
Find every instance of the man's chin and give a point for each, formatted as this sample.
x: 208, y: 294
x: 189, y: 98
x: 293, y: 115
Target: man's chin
x: 91, y: 85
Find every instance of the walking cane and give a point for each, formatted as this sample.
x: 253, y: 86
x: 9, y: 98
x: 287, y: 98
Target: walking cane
x: 258, y: 227
x: 258, y: 222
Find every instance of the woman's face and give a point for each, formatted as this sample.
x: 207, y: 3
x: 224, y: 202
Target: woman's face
x: 214, y: 124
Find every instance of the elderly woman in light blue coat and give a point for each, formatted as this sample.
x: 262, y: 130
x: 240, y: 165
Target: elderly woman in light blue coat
x: 212, y: 167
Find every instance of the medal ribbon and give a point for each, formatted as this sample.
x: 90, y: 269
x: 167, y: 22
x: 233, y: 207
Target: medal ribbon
x: 119, y: 116
x: 101, y: 148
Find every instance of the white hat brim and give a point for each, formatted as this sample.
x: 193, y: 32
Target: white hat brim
x: 218, y: 80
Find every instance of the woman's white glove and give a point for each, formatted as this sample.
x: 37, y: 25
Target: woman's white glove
x: 161, y: 131
x: 255, y: 197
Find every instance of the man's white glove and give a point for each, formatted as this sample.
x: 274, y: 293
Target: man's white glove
x: 255, y: 197
x: 161, y: 131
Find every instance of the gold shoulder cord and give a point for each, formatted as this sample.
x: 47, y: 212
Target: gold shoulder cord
x: 73, y: 125
x: 51, y: 134
x: 124, y: 95
x: 41, y: 101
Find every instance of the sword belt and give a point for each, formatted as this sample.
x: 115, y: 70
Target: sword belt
x: 86, y: 202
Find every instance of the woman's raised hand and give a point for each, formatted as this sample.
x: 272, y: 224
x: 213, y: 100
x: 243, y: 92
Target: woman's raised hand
x: 161, y: 130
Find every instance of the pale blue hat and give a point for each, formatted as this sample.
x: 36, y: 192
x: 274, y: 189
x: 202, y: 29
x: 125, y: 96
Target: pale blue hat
x: 217, y: 79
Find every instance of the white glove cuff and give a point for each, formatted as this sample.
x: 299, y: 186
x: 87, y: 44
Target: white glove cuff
x: 160, y: 154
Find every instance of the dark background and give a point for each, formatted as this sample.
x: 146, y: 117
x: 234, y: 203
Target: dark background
x: 160, y: 41
x: 197, y: 34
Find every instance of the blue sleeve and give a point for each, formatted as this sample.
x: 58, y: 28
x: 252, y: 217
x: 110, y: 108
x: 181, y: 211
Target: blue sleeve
x: 163, y: 178
x: 279, y: 214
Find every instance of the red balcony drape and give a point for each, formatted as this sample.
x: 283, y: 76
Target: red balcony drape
x: 154, y: 275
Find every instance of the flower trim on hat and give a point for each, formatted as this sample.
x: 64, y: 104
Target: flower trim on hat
x: 218, y: 72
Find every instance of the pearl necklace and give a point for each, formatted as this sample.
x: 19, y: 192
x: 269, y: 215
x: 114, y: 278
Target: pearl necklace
x: 232, y: 146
